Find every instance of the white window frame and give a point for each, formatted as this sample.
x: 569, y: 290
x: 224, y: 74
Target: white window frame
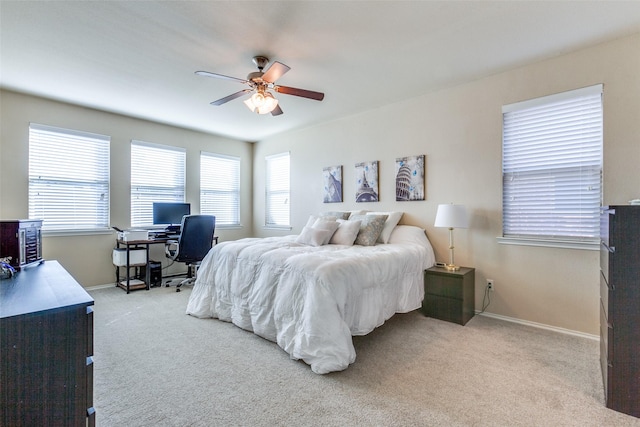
x: 158, y: 174
x: 278, y: 191
x: 552, y: 170
x: 220, y: 188
x: 69, y: 180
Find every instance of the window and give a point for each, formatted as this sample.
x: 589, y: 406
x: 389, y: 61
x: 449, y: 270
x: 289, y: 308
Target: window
x: 277, y: 191
x: 220, y: 188
x: 68, y: 179
x: 552, y: 168
x: 157, y: 175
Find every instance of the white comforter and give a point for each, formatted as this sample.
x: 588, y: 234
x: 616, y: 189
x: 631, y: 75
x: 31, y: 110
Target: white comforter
x: 310, y: 300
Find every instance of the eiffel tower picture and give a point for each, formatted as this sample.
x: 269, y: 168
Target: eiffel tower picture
x: 367, y: 181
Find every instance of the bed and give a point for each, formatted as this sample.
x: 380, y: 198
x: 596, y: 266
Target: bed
x: 311, y: 296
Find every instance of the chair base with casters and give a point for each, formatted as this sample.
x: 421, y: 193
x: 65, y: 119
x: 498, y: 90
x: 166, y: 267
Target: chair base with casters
x: 195, y: 241
x: 192, y: 272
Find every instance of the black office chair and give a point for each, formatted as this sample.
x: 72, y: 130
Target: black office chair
x: 195, y: 241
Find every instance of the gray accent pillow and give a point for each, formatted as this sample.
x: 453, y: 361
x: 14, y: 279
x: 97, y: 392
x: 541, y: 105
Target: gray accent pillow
x: 393, y: 218
x: 336, y: 214
x: 370, y: 228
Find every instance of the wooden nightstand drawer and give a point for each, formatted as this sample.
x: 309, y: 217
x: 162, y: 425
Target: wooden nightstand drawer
x: 449, y: 295
x: 442, y: 308
x: 444, y: 286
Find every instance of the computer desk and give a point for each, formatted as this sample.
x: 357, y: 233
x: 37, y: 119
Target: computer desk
x: 125, y: 282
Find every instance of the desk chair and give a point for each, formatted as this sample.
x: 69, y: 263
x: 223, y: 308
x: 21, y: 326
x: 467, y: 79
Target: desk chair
x: 195, y: 241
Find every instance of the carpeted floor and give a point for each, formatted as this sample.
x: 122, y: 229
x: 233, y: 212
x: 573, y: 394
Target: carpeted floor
x: 156, y: 366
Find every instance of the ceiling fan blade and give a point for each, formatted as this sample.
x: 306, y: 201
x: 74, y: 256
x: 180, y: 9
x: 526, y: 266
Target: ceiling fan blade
x: 220, y: 76
x: 318, y: 96
x: 231, y: 97
x: 274, y: 72
x: 276, y: 111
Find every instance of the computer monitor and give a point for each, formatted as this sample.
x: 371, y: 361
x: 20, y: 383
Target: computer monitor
x: 170, y: 214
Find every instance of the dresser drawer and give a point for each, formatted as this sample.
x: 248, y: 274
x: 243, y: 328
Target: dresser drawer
x: 89, y: 386
x: 604, y: 368
x: 604, y: 225
x: 443, y: 308
x: 604, y: 295
x: 444, y: 286
x: 604, y: 260
x: 90, y: 331
x: 606, y: 336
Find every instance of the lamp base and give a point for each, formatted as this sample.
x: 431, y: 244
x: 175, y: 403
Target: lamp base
x: 452, y: 267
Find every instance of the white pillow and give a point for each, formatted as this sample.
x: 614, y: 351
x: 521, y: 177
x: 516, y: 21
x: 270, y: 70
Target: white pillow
x: 325, y: 224
x: 313, y: 218
x: 346, y: 233
x: 393, y: 218
x: 313, y: 236
x: 409, y: 234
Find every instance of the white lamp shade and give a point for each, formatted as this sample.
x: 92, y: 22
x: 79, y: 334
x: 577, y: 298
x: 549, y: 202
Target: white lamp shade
x: 452, y: 216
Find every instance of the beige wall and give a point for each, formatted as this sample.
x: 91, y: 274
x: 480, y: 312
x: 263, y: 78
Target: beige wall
x: 459, y: 131
x: 88, y: 257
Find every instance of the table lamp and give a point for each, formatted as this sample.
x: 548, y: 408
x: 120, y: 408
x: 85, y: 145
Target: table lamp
x: 451, y: 216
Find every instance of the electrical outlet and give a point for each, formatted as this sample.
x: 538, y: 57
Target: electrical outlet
x: 490, y: 284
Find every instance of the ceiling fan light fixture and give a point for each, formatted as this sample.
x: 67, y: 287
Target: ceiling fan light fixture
x: 258, y: 99
x: 249, y: 104
x: 261, y: 102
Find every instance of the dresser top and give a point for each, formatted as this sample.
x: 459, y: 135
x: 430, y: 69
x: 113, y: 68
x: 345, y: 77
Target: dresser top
x: 42, y: 287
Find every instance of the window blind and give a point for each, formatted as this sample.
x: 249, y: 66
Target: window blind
x: 220, y: 188
x: 552, y: 166
x: 277, y: 191
x: 68, y: 178
x: 157, y: 175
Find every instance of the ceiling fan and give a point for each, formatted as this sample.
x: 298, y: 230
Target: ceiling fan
x: 260, y: 83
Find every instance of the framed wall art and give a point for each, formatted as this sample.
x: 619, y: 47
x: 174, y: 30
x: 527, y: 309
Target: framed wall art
x: 410, y: 178
x: 367, y: 181
x: 332, y: 181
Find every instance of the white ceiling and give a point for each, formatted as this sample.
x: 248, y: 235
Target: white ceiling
x: 139, y: 57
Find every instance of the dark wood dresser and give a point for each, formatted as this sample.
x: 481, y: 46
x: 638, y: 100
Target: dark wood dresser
x: 620, y: 307
x: 21, y: 239
x: 46, y: 348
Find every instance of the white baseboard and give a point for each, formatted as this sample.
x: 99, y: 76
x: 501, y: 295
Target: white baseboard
x: 96, y: 287
x: 541, y: 326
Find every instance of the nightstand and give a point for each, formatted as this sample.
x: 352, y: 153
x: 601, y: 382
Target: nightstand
x: 449, y: 295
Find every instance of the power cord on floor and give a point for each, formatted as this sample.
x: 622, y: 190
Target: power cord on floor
x: 486, y: 300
